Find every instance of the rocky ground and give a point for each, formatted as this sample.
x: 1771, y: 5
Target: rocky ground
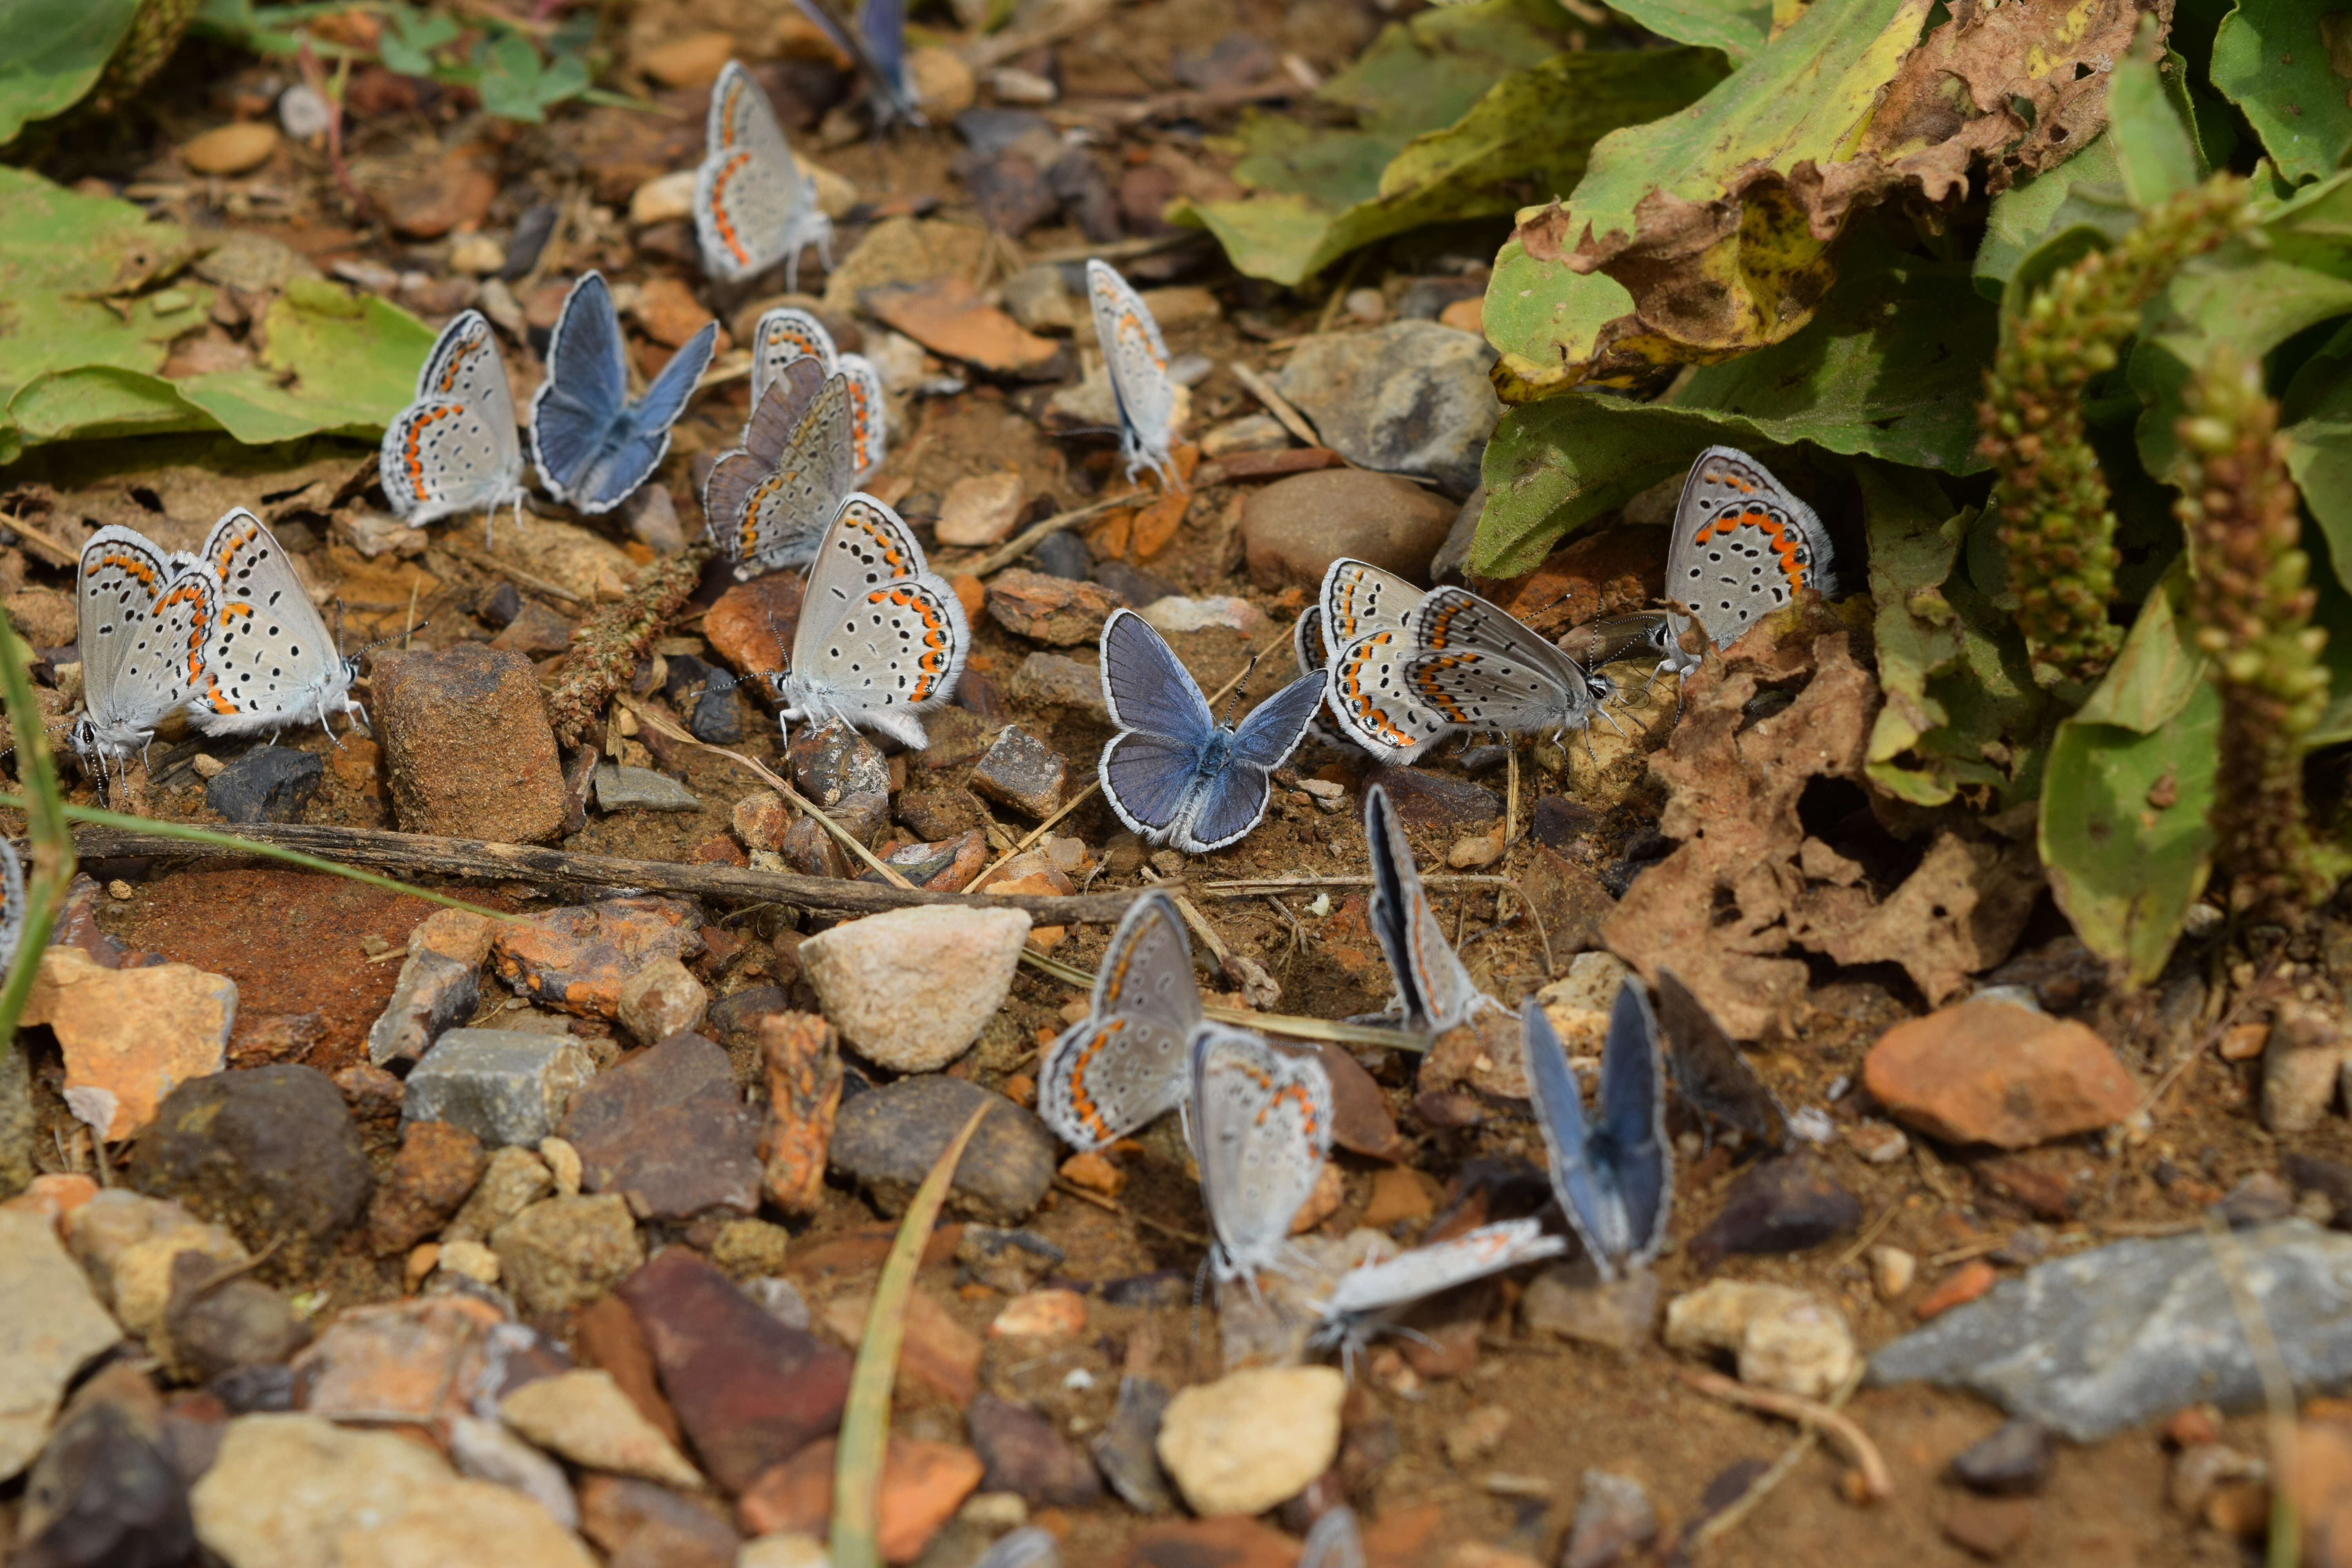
x: 549, y: 1240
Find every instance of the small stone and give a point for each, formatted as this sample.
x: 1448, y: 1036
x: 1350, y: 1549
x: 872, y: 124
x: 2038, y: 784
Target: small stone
x: 1250, y: 1439
x: 269, y: 783
x: 668, y: 311
x: 106, y: 1493
x: 485, y: 1451
x: 761, y: 820
x: 1572, y: 1302
x: 285, y: 1488
x: 438, y: 1164
x: 910, y: 988
x: 889, y: 1138
x: 717, y: 717
x: 799, y: 1056
x: 1022, y: 771
x: 845, y: 774
x: 1025, y: 1455
x: 417, y: 1360
x: 1050, y: 609
x: 231, y: 149
x: 661, y: 999
x: 574, y: 959
x: 1465, y: 316
x: 503, y: 1086
x: 691, y: 61
x: 940, y: 813
x: 130, y: 1246
x: 2244, y: 1042
x: 1483, y: 1054
x: 50, y: 1325
x: 1126, y: 1450
x: 1409, y: 397
x: 923, y: 1484
x: 638, y: 1523
x: 1877, y: 1143
x: 1614, y: 1520
x: 1962, y: 1285
x: 751, y: 1249
x: 1991, y: 1527
x: 2301, y: 1063
x: 1783, y: 1339
x: 1174, y: 615
x: 1250, y: 433
x: 1094, y: 1172
x: 1781, y: 1205
x: 620, y: 789
x: 1990, y: 1072
x: 668, y: 1129
x: 439, y: 984
x: 607, y: 1335
x: 948, y: 316
x: 1057, y: 680
x: 1042, y: 1315
x: 1293, y: 529
x: 1065, y: 555
x: 470, y: 1259
x: 1366, y: 305
x: 2015, y: 1459
x: 514, y: 1179
x: 1011, y: 1261
x: 1891, y: 1271
x: 130, y: 1036
x: 270, y: 1151
x: 1476, y: 1435
x: 467, y: 746
x: 584, y: 1417
x: 944, y: 85
x: 563, y: 1253
x: 477, y: 255
x: 753, y: 622
x: 1038, y: 299
x: 981, y: 510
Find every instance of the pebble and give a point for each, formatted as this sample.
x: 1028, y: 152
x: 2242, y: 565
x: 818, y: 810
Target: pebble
x: 477, y: 255
x: 1038, y: 299
x: 981, y: 510
x: 285, y: 1489
x: 231, y: 149
x: 844, y: 774
x: 1570, y: 1300
x: 717, y: 717
x: 1781, y: 1205
x: 889, y: 1138
x: 1877, y: 1143
x: 911, y: 988
x: 1042, y: 1315
x: 418, y: 1361
x: 466, y: 745
x: 470, y: 1259
x: 269, y: 783
x: 2125, y: 1333
x: 923, y: 1484
x: 748, y: 1390
x: 2320, y: 1485
x: 131, y: 1245
x: 1022, y: 772
x: 667, y: 1128
x: 504, y: 1086
x: 1065, y: 555
x: 1250, y: 433
x: 485, y: 1451
x: 944, y: 85
x: 584, y: 1417
x: 1408, y: 397
x: 1049, y: 609
x: 691, y: 61
x: 668, y: 311
x: 1614, y: 1520
x: 2302, y: 1060
x: 440, y: 982
x: 514, y: 1179
x: 752, y: 623
x: 2013, y: 1459
x: 1962, y: 1285
x: 563, y: 1253
x: 803, y: 1066
x: 1126, y: 1448
x: 619, y: 789
x: 270, y: 1151
x: 1782, y: 1338
x: 1011, y: 1261
x: 51, y: 1323
x: 1024, y: 1455
x: 1293, y: 529
x: 105, y: 1492
x: 129, y: 1035
x: 761, y: 820
x: 1251, y: 1438
x: 1057, y: 680
x: 1475, y: 1435
x: 2244, y: 1042
x: 661, y: 999
x: 1891, y: 1271
x: 1988, y: 1072
x: 19, y: 1122
x: 574, y: 959
x: 1174, y: 615
x: 1577, y: 1004
x: 938, y: 815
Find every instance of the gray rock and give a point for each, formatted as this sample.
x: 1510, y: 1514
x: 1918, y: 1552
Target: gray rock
x: 501, y: 1085
x: 668, y: 1129
x: 1025, y: 1454
x: 440, y: 982
x: 1057, y: 680
x: 1011, y: 1261
x: 2122, y: 1333
x: 271, y: 1153
x: 888, y: 1139
x: 565, y: 1253
x: 218, y: 1324
x: 844, y: 773
x: 485, y: 1451
x: 269, y: 783
x: 2015, y: 1459
x: 1022, y: 772
x: 717, y: 716
x: 618, y: 787
x: 50, y: 1324
x: 1064, y: 555
x: 1613, y: 1521
x: 1451, y: 561
x: 1126, y: 1450
x: 1410, y: 397
x: 1293, y: 529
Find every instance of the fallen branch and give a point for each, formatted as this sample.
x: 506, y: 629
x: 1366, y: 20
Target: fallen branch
x: 606, y: 647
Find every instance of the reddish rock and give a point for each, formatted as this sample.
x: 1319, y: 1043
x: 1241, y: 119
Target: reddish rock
x: 1025, y: 1454
x: 1962, y: 1286
x: 130, y: 1036
x: 437, y: 1167
x: 668, y: 311
x: 1612, y: 572
x: 2320, y: 1482
x: 801, y: 1059
x: 1228, y: 1541
x: 1360, y: 1122
x: 468, y: 745
x: 923, y: 1484
x: 439, y: 984
x: 939, y: 1356
x: 1988, y: 1072
x: 946, y: 316
x: 752, y: 624
x: 669, y: 1130
x: 609, y: 1338
x: 1991, y: 1527
x: 576, y: 959
x: 1293, y: 529
x: 418, y: 1361
x: 1050, y: 609
x: 641, y: 1525
x: 750, y: 1391
x: 427, y: 206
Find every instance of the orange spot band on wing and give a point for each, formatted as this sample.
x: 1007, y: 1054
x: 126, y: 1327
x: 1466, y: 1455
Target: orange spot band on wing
x: 719, y: 218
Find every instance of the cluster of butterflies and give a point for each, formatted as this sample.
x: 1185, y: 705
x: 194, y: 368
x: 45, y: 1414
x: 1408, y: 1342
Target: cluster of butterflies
x: 1259, y: 1119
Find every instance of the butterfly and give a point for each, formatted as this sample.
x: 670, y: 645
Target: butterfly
x: 1172, y: 773
x: 1615, y: 1178
x: 881, y: 639
x: 12, y: 903
x: 1476, y: 667
x: 271, y: 662
x: 1711, y: 1074
x: 1369, y: 1293
x: 453, y: 449
x: 1137, y: 360
x: 1742, y: 546
x: 595, y: 445
x: 1333, y: 1541
x: 879, y: 48
x: 768, y: 502
x: 1260, y: 1123
x: 753, y: 206
x: 1434, y: 993
x: 787, y: 333
x: 1363, y: 611
x: 145, y: 619
x: 1123, y: 1064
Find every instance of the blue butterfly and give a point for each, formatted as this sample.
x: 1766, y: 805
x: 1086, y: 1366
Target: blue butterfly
x: 593, y: 445
x: 1615, y: 1179
x: 879, y: 48
x: 1172, y: 773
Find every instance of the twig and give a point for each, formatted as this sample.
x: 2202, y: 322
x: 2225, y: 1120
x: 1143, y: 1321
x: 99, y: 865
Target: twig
x: 1203, y: 930
x: 1740, y: 1507
x: 2285, y: 1545
x: 1036, y: 533
x: 1805, y: 1413
x: 1294, y: 1026
x: 1112, y: 1205
x: 1276, y: 405
x: 50, y: 550
x: 1870, y: 1234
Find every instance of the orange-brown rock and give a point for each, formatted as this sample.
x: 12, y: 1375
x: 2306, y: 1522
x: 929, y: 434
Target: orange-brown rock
x: 130, y: 1036
x: 1988, y: 1072
x: 577, y: 959
x: 803, y: 1062
x: 923, y: 1484
x: 939, y: 1355
x: 1962, y: 1286
x: 752, y: 623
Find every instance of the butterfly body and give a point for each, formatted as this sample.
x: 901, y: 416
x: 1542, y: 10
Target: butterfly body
x: 453, y: 449
x: 1613, y: 1174
x: 272, y: 662
x: 753, y: 207
x: 1124, y: 1064
x: 593, y: 443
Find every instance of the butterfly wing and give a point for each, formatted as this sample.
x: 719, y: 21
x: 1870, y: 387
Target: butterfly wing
x: 1731, y: 571
x: 1633, y: 1123
x: 454, y: 449
x: 868, y: 418
x: 1124, y: 1064
x: 1363, y: 612
x: 1136, y: 361
x: 272, y: 661
x: 1261, y: 1123
x: 1440, y: 1266
x: 878, y: 630
x: 1146, y: 686
x: 640, y: 439
x: 782, y: 335
x: 1314, y: 656
x: 1334, y: 1541
x: 746, y: 188
x: 1231, y: 802
x: 128, y: 660
x: 1578, y: 1174
x: 576, y: 414
x: 784, y: 511
x: 1358, y: 598
x: 1476, y: 666
x: 1436, y: 991
x: 1709, y: 1070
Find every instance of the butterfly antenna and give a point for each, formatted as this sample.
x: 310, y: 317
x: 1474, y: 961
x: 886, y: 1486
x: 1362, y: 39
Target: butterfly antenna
x: 1233, y: 707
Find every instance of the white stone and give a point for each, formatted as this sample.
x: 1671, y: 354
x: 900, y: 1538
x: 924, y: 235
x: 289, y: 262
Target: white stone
x: 1579, y: 1003
x: 285, y: 1487
x: 1175, y: 614
x: 1782, y: 1338
x: 1250, y: 433
x: 485, y: 1451
x: 50, y: 1324
x: 1253, y: 1437
x: 910, y: 989
x: 981, y: 509
x: 1013, y: 84
x: 1891, y: 1271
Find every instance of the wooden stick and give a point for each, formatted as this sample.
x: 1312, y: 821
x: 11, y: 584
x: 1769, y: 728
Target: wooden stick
x: 482, y: 861
x: 1036, y: 533
x: 1717, y: 1525
x: 1258, y: 387
x: 1805, y: 1413
x: 51, y: 549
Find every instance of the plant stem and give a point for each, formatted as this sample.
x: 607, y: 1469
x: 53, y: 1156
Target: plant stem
x: 52, y: 843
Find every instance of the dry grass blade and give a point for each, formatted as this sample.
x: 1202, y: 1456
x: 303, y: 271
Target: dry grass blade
x: 52, y: 843
x: 1805, y: 1413
x: 1719, y: 1523
x: 865, y: 1421
x: 1258, y: 387
x: 1036, y: 533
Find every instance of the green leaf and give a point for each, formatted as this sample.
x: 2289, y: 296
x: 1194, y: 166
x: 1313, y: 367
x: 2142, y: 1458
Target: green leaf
x: 408, y: 42
x: 2152, y: 145
x: 1738, y: 29
x: 2124, y: 825
x: 334, y: 363
x: 98, y: 400
x: 2033, y: 212
x: 1552, y: 467
x: 2319, y: 458
x: 51, y: 53
x: 509, y: 84
x: 2287, y: 65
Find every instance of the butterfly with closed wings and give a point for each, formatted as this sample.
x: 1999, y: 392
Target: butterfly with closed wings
x: 1614, y: 1174
x: 271, y: 662
x: 753, y: 207
x: 1742, y: 546
x: 1363, y: 610
x: 594, y: 443
x: 1434, y: 993
x: 1260, y: 1123
x: 1476, y: 666
x: 1135, y: 358
x: 1172, y: 773
x: 768, y: 502
x: 453, y: 449
x: 788, y: 333
x: 1123, y: 1065
x: 1371, y: 1294
x: 145, y: 619
x: 12, y: 903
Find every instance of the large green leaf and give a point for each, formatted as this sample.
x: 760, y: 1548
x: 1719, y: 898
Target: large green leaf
x: 1888, y: 369
x: 2084, y: 193
x: 1739, y: 27
x: 51, y: 52
x: 2148, y: 123
x: 2287, y: 64
x: 333, y: 363
x: 2318, y: 412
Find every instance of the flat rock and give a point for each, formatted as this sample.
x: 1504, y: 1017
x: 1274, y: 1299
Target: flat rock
x: 130, y: 1245
x: 887, y: 1139
x: 1126, y: 1448
x: 420, y: 1360
x: 285, y: 1489
x: 661, y: 999
x: 2013, y: 1459
x: 1049, y: 609
x: 668, y: 1129
x: 1781, y: 1205
x: 1293, y: 529
x: 582, y: 1416
x: 1409, y: 397
x: 1433, y: 800
x: 923, y: 1484
x: 269, y: 783
x: 980, y: 509
x: 221, y: 1326
x: 1253, y: 1437
x: 2122, y: 1333
x: 271, y: 1153
x: 947, y: 316
x: 50, y: 1324
x: 1175, y: 614
x: 564, y: 1252
x: 1057, y: 680
x: 1022, y: 771
x: 503, y: 1086
x: 752, y: 623
x: 575, y: 960
x: 620, y: 789
x: 485, y: 1451
x: 1023, y: 1454
x: 439, y: 984
x: 1990, y: 1072
x: 467, y: 746
x: 1783, y: 1339
x: 910, y: 988
x: 940, y: 813
x: 130, y: 1036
